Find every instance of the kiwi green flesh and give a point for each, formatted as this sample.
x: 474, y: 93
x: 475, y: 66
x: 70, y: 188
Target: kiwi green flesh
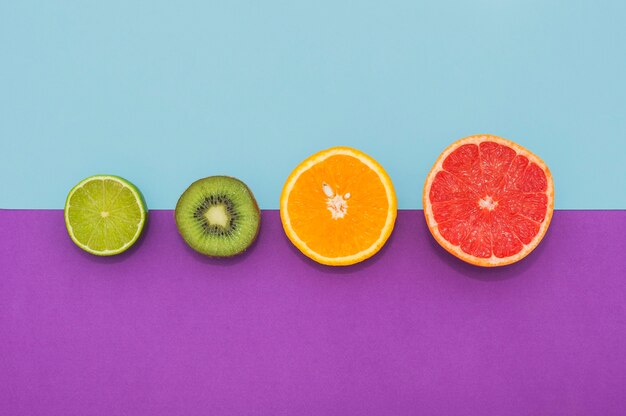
x: 231, y: 226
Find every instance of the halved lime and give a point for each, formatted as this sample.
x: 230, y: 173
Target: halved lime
x: 105, y: 215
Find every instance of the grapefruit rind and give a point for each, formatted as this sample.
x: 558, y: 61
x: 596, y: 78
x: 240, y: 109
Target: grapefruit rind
x: 389, y: 222
x: 492, y: 261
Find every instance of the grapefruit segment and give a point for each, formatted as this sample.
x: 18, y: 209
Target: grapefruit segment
x: 488, y: 201
x: 465, y: 164
x: 495, y: 161
x: 447, y: 187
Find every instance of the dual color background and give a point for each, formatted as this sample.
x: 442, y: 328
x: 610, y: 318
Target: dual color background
x: 164, y: 93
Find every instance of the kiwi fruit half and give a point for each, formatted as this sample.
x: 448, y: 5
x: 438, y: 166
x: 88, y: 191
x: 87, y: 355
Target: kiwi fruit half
x: 218, y: 216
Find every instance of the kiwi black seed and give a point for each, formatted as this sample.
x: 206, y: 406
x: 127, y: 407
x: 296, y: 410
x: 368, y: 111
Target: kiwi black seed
x: 218, y: 216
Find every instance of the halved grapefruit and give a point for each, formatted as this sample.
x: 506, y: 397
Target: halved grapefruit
x: 488, y: 201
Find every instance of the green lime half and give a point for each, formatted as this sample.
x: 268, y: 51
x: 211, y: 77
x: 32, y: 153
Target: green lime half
x: 105, y: 215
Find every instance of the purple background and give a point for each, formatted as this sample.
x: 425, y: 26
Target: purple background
x: 161, y: 330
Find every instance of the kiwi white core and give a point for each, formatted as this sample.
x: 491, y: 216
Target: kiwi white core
x: 218, y: 215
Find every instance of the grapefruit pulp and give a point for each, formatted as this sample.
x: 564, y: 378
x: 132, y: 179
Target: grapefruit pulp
x: 488, y: 201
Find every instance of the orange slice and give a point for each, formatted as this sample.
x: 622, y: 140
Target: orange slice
x: 488, y: 201
x: 338, y: 206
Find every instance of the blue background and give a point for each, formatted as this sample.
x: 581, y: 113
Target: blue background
x: 163, y: 93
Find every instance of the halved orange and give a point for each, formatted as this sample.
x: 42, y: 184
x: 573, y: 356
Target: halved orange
x: 488, y: 201
x: 338, y: 206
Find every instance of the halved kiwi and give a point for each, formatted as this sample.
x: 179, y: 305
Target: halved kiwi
x: 218, y: 216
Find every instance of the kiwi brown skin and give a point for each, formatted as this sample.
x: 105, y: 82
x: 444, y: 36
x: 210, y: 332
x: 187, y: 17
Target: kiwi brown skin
x: 256, y: 207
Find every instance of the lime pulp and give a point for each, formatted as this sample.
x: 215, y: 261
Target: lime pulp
x: 105, y: 215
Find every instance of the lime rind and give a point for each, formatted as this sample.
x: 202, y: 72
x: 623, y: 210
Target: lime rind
x: 141, y: 204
